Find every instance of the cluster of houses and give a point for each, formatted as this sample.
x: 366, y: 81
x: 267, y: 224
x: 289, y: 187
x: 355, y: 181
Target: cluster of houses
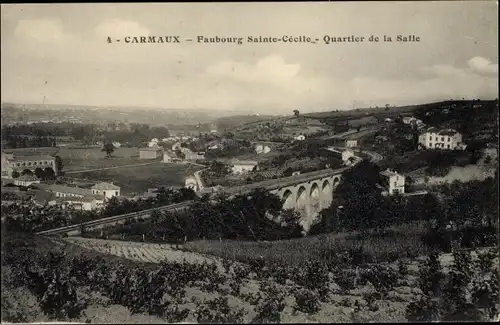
x: 433, y: 138
x: 85, y: 199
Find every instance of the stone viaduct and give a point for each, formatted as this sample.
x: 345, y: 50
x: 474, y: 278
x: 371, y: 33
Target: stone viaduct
x: 307, y: 193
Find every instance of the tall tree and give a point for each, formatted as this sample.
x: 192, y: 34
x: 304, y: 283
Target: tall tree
x: 109, y: 148
x: 59, y: 164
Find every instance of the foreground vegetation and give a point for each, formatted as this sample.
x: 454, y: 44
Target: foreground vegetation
x: 63, y: 284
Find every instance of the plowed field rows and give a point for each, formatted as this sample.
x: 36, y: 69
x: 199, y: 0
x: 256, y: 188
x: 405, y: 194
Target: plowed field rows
x: 142, y: 252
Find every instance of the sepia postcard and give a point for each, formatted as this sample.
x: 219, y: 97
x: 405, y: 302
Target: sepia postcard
x: 268, y: 162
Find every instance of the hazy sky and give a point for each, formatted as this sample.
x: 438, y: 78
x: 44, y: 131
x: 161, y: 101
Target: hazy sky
x: 61, y: 52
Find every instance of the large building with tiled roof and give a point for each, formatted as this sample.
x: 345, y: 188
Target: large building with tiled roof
x: 441, y: 139
x: 79, y: 198
x: 12, y: 162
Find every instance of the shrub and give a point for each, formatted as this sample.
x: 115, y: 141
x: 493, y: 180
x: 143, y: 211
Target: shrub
x: 217, y: 311
x: 430, y: 275
x: 306, y: 301
x: 271, y: 307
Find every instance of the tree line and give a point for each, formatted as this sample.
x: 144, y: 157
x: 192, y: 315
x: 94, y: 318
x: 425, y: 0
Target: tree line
x: 134, y: 134
x: 256, y: 216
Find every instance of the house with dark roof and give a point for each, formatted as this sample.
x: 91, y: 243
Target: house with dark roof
x: 77, y: 197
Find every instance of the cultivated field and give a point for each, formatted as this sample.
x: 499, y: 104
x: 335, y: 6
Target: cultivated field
x: 90, y: 158
x: 343, y: 303
x: 140, y: 252
x: 405, y: 242
x: 137, y: 179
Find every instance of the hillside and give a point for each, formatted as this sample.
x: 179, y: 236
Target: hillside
x: 383, y: 112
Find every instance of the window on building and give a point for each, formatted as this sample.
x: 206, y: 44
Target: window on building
x: 395, y: 184
x: 116, y: 192
x: 29, y: 164
x: 35, y: 163
x: 442, y: 139
x: 448, y: 146
x: 18, y: 164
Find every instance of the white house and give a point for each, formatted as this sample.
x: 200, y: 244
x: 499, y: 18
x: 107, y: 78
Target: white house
x: 262, y: 148
x: 408, y: 119
x: 85, y: 203
x: 108, y: 190
x: 193, y: 156
x: 394, y: 182
x: 150, y: 152
x: 168, y: 157
x: 448, y: 139
x: 243, y: 166
x: 346, y: 155
x: 300, y: 137
x: 153, y: 143
x: 351, y: 143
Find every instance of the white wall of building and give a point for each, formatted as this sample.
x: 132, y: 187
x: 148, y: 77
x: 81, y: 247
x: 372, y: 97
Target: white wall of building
x: 242, y: 168
x: 351, y: 143
x: 433, y: 140
x: 108, y: 194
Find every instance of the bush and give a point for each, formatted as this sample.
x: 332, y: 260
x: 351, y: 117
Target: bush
x: 306, y: 301
x: 269, y: 310
x: 468, y: 292
x: 217, y: 311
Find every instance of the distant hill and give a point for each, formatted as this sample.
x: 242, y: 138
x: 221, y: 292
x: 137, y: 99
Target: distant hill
x: 24, y: 113
x: 392, y: 111
x: 231, y: 122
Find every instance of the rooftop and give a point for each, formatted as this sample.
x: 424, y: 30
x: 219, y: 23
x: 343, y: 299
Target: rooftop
x: 447, y: 132
x: 151, y: 149
x: 43, y: 197
x: 31, y: 158
x: 432, y: 129
x: 389, y: 173
x: 244, y: 162
x: 27, y: 178
x: 67, y: 189
x: 105, y: 186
